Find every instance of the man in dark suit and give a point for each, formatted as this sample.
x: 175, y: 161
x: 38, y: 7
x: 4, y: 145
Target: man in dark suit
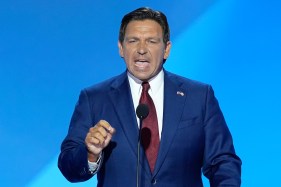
x: 189, y: 133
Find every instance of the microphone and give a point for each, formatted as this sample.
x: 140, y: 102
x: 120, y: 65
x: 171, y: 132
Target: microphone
x: 142, y: 112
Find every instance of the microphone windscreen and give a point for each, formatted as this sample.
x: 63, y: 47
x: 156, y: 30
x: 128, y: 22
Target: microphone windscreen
x: 142, y: 111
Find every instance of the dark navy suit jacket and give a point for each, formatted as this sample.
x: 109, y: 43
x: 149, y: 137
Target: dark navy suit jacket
x: 194, y: 138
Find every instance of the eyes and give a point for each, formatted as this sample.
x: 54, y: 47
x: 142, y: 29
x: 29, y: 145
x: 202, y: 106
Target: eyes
x: 131, y: 41
x: 152, y: 41
x: 148, y: 41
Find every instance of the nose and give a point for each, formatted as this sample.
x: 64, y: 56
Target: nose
x: 142, y: 49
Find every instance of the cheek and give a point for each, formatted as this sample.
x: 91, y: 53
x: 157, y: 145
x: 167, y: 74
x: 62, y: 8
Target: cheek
x: 159, y: 55
x: 127, y: 53
x: 128, y: 60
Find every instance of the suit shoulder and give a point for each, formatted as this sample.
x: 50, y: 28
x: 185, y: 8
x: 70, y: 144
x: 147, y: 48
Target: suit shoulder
x: 187, y: 82
x: 106, y: 85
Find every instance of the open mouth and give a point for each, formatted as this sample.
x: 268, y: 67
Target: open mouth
x: 142, y: 63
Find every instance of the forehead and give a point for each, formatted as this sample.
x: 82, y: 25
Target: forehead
x: 143, y: 26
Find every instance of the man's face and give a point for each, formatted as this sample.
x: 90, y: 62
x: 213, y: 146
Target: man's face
x: 143, y: 49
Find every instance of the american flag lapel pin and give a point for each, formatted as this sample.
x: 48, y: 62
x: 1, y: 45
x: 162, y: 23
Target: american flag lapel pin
x: 180, y: 93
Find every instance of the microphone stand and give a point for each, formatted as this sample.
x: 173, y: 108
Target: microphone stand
x: 142, y: 112
x: 138, y: 159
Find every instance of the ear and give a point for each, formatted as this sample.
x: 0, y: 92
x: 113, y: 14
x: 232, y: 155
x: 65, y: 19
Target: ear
x: 121, y: 52
x: 167, y: 49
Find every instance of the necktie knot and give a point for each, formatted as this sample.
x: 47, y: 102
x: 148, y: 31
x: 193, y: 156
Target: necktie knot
x: 145, y: 86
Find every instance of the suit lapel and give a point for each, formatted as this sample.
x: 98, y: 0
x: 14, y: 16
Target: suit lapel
x: 174, y: 99
x: 123, y: 104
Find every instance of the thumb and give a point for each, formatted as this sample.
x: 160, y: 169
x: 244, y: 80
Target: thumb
x: 111, y: 132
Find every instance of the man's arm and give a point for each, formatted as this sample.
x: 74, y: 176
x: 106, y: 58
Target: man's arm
x: 83, y: 142
x: 221, y: 164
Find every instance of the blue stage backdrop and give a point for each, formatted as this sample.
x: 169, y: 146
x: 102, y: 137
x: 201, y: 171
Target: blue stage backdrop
x: 50, y: 50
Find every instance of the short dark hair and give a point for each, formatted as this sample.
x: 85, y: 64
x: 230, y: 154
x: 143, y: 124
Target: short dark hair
x: 145, y: 13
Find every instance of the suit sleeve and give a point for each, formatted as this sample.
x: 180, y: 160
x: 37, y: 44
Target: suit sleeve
x: 221, y: 164
x: 73, y: 160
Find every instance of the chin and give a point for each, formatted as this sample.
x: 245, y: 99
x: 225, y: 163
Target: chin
x: 142, y: 77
